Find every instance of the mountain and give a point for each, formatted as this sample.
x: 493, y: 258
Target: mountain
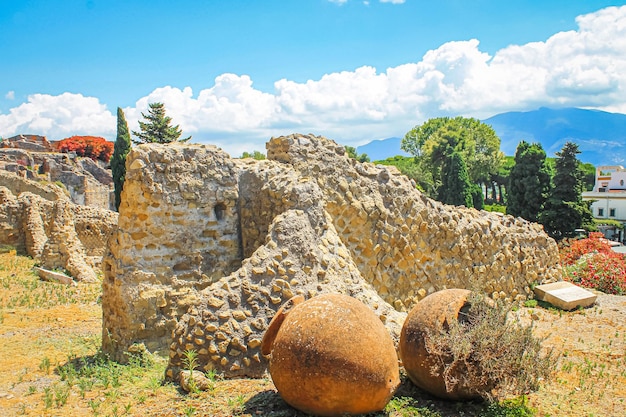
x: 601, y: 136
x: 382, y: 149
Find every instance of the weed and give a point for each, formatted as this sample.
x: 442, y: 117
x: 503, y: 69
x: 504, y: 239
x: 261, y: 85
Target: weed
x: 236, y: 404
x: 190, y: 410
x: 31, y: 390
x: 517, y: 407
x: 407, y: 407
x: 499, y: 356
x: 61, y: 393
x: 47, y: 397
x: 530, y: 303
x: 190, y: 361
x: 44, y: 365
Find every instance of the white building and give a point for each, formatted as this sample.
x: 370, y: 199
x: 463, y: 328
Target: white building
x: 609, y: 194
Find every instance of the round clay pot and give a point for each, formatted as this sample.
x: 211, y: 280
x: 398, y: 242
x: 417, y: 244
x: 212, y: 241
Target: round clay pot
x: 432, y: 314
x: 331, y: 356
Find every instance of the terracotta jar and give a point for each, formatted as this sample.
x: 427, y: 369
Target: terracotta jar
x: 331, y: 356
x: 432, y: 314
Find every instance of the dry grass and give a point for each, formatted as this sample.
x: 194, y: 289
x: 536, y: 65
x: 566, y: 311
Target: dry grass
x: 50, y: 364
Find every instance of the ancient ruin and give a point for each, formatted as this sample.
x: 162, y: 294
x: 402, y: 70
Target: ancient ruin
x: 41, y: 221
x: 85, y: 181
x: 209, y: 247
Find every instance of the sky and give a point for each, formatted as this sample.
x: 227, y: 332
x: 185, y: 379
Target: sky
x: 235, y: 73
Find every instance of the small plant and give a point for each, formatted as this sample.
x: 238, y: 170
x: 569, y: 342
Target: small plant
x: 44, y: 365
x: 407, y: 407
x: 190, y: 361
x: 532, y: 303
x: 237, y: 404
x: 61, y: 393
x: 48, y: 399
x: 498, y: 355
x: 31, y: 390
x: 190, y: 410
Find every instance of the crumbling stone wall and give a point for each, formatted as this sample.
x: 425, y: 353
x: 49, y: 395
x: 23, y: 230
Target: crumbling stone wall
x: 57, y: 233
x: 85, y: 182
x: 409, y: 246
x: 178, y: 232
x: 17, y: 185
x: 307, y: 221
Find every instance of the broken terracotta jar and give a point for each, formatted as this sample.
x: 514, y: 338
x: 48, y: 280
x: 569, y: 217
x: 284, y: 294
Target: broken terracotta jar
x: 426, y: 370
x: 331, y: 356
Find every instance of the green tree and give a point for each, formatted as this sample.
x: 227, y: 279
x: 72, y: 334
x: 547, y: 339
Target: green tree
x: 156, y: 127
x: 412, y: 167
x: 564, y: 210
x: 456, y: 188
x: 259, y: 156
x: 477, y: 143
x: 529, y: 182
x: 118, y: 160
x: 353, y: 154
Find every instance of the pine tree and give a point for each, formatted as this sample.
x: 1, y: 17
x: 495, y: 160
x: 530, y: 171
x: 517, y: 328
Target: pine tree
x: 529, y: 182
x: 118, y: 160
x: 456, y: 188
x: 565, y: 210
x: 156, y: 128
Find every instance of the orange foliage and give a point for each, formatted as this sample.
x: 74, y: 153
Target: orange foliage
x: 93, y: 147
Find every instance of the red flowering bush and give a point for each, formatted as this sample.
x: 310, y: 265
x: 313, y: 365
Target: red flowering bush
x: 93, y: 147
x: 591, y: 263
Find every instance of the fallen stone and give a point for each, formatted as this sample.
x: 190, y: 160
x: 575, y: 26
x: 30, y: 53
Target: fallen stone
x: 565, y: 295
x: 196, y: 380
x: 53, y: 276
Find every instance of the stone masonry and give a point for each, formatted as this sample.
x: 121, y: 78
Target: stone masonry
x: 57, y: 233
x: 209, y: 247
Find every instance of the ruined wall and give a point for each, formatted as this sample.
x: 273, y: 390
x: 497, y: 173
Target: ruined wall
x: 57, y: 233
x: 85, y: 182
x: 409, y: 246
x: 210, y: 247
x: 17, y: 185
x: 178, y: 232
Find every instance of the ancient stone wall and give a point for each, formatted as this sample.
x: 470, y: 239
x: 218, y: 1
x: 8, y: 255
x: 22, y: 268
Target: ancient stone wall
x: 178, y: 232
x: 58, y: 233
x: 409, y: 246
x: 84, y: 181
x: 210, y: 247
x: 17, y: 185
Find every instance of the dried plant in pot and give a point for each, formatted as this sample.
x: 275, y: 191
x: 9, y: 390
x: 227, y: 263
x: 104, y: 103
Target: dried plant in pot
x: 458, y: 344
x: 331, y: 356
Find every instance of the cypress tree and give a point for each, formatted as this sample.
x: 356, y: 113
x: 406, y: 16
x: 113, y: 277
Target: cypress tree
x: 156, y: 127
x: 118, y: 160
x: 565, y: 210
x: 456, y: 188
x: 529, y: 182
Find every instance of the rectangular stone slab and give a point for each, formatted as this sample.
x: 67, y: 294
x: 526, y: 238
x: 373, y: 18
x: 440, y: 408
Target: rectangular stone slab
x: 565, y: 295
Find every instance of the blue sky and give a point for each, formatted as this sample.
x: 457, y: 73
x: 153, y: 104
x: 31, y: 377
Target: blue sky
x: 237, y: 72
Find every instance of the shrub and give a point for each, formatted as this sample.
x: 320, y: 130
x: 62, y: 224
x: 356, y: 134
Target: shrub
x: 89, y: 146
x: 592, y: 263
x: 498, y: 356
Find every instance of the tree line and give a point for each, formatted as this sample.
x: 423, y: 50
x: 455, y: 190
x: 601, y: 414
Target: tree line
x: 458, y: 161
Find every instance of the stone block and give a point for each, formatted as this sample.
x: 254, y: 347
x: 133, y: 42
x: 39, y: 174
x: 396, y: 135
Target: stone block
x: 565, y: 295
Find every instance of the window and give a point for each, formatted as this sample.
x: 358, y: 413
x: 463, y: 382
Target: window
x: 600, y: 212
x: 612, y: 212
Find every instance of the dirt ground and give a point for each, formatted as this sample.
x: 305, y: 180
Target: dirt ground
x: 45, y: 327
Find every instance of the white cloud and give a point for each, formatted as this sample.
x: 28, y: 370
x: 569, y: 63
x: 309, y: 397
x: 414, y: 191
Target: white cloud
x: 393, y: 1
x: 58, y: 117
x: 582, y: 68
x: 10, y: 95
x: 338, y: 1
